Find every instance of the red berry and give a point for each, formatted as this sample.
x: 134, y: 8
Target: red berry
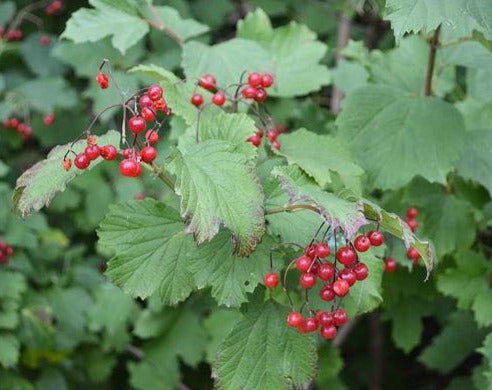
x: 259, y: 133
x: 155, y: 92
x: 254, y: 79
x: 389, y: 264
x: 412, y: 224
x: 148, y: 154
x: 82, y: 161
x: 145, y: 101
x: 102, y: 80
x: 127, y: 152
x: 303, y: 263
x: 326, y: 271
x: 266, y: 80
x: 376, y: 238
x: 272, y: 135
x: 137, y: 124
x: 362, y: 243
x: 152, y: 136
x: 148, y: 114
x: 361, y: 271
x: 160, y: 105
x: 249, y: 92
x: 307, y: 280
x: 348, y: 275
x: 219, y: 99
x: 271, y: 280
x: 413, y: 254
x: 49, y: 119
x: 14, y: 123
x: 130, y: 168
x: 340, y: 317
x: 255, y: 140
x: 324, y: 318
x: 276, y: 145
x: 109, y: 152
x: 10, y: 251
x: 309, y: 325
x: 92, y: 152
x: 341, y: 287
x: 3, y: 258
x: 208, y: 82
x: 346, y: 255
x: 294, y: 319
x: 197, y: 100
x: 3, y: 246
x: 261, y: 95
x: 412, y: 213
x: 328, y: 332
x: 44, y: 40
x: 327, y: 293
x: 323, y: 250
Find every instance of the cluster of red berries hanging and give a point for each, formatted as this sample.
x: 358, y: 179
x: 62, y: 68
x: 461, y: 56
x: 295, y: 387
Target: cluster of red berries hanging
x: 411, y: 220
x: 6, y: 251
x: 271, y: 134
x: 336, y: 277
x: 22, y: 128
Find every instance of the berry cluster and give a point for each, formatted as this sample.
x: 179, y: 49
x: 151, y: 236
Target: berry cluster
x: 411, y: 220
x: 271, y: 134
x: 336, y: 277
x: 22, y: 128
x: 11, y: 35
x: 6, y: 251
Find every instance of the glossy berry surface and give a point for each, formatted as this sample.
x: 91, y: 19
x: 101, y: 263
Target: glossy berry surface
x: 389, y: 264
x: 323, y: 250
x: 109, y: 152
x: 152, y: 136
x: 102, y: 80
x: 160, y: 105
x: 148, y: 154
x: 303, y: 263
x: 249, y: 92
x: 130, y: 168
x: 346, y: 255
x: 208, y: 82
x: 340, y: 317
x: 219, y: 99
x: 413, y: 254
x: 362, y: 243
x: 82, y: 161
x: 348, y: 275
x: 137, y: 124
x: 309, y: 325
x: 271, y: 280
x: 376, y: 238
x: 361, y: 271
x: 327, y: 293
x: 148, y: 114
x: 92, y: 152
x: 328, y: 332
x: 307, y: 280
x: 266, y: 80
x: 261, y: 95
x: 255, y: 140
x: 341, y: 287
x: 412, y: 213
x: 254, y: 79
x: 155, y: 92
x: 324, y: 318
x: 145, y: 101
x: 294, y: 319
x: 197, y: 100
x: 325, y: 271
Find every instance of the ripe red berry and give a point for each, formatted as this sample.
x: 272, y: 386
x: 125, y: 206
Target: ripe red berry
x: 323, y: 250
x: 307, y: 280
x: 361, y: 271
x: 340, y: 317
x: 294, y: 319
x: 362, y: 243
x: 272, y: 135
x: 82, y: 161
x: 303, y: 263
x: 137, y: 124
x: 309, y: 325
x: 130, y: 168
x: 49, y: 119
x: 148, y: 154
x: 271, y: 280
x: 412, y: 213
x: 14, y: 35
x: 346, y: 255
x: 109, y: 152
x: 197, y: 100
x: 54, y: 8
x: 249, y: 92
x: 254, y: 79
x: 208, y: 82
x: 67, y: 164
x: 326, y: 271
x: 341, y: 287
x: 219, y: 99
x: 145, y: 101
x: 3, y: 246
x: 92, y: 152
x: 152, y: 136
x: 160, y: 105
x: 155, y: 92
x: 126, y: 153
x: 254, y: 140
x: 44, y: 40
x: 324, y: 318
x: 413, y: 254
x: 348, y: 275
x: 276, y: 145
x: 259, y: 133
x: 266, y: 80
x: 327, y: 293
x: 148, y: 114
x: 261, y: 95
x: 412, y: 224
x: 102, y: 80
x: 376, y: 238
x: 328, y: 332
x: 389, y: 264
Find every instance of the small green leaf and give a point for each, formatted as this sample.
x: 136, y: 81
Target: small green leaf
x: 9, y: 349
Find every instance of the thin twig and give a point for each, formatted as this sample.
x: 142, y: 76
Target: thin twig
x: 431, y: 62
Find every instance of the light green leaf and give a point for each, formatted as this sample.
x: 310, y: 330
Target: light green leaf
x: 184, y: 28
x: 9, y: 349
x: 90, y: 25
x: 38, y: 185
x: 470, y: 54
x: 349, y: 76
x: 262, y: 352
x: 481, y: 11
x: 151, y: 250
x: 7, y: 11
x: 207, y: 174
x: 406, y: 130
x: 300, y: 146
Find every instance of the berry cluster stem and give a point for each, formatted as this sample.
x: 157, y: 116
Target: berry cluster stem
x: 431, y: 62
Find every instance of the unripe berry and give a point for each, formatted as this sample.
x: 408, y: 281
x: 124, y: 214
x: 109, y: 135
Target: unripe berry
x: 307, y: 280
x: 266, y: 80
x: 109, y: 152
x: 148, y: 114
x: 82, y: 161
x: 361, y: 271
x: 137, y: 124
x: 148, y: 154
x: 155, y: 92
x: 67, y: 164
x: 303, y: 263
x: 328, y: 332
x: 362, y: 243
x: 340, y: 317
x: 376, y: 238
x: 152, y: 136
x: 271, y: 280
x: 341, y: 287
x: 389, y: 264
x: 219, y: 99
x: 102, y: 80
x: 294, y: 319
x: 197, y: 100
x: 346, y: 255
x: 254, y: 79
x: 208, y: 82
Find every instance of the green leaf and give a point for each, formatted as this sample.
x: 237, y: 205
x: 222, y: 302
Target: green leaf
x: 336, y: 211
x: 11, y: 381
x: 443, y: 212
x: 38, y: 185
x: 470, y: 54
x: 444, y: 353
x: 9, y: 349
x: 184, y: 28
x: 404, y: 129
x: 331, y: 156
x: 263, y: 353
x: 90, y: 25
x: 151, y: 250
x: 7, y: 11
x: 218, y: 325
x: 207, y: 174
x: 481, y: 11
x: 348, y: 76
x: 486, y: 351
x: 476, y: 161
x: 38, y: 57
